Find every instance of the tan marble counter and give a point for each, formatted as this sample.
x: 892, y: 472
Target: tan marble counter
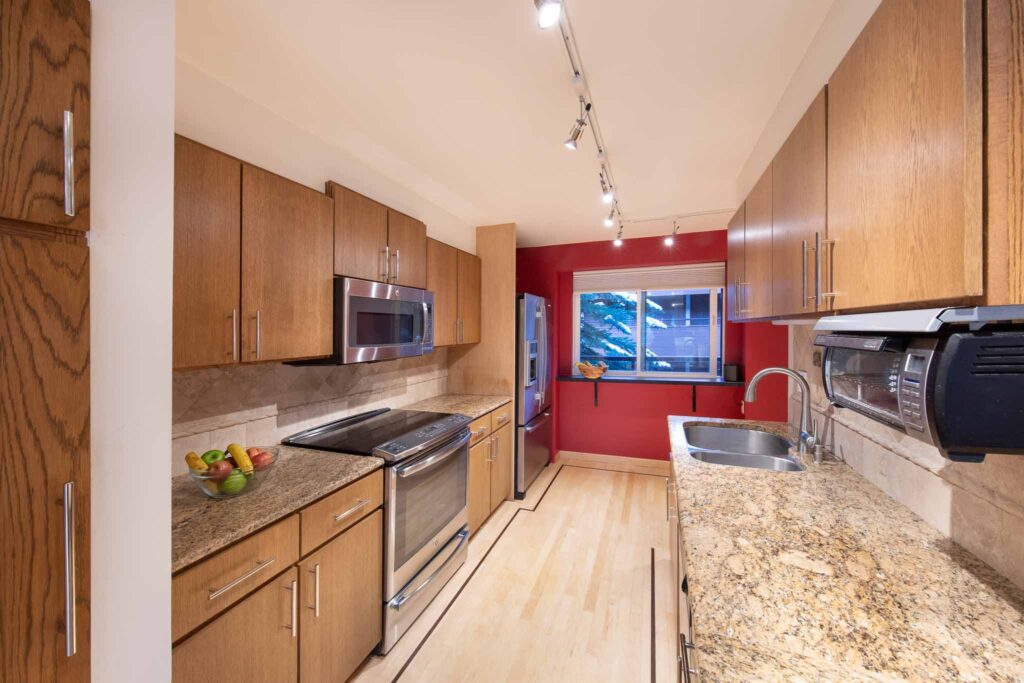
x: 473, y: 405
x: 200, y: 526
x: 819, y: 575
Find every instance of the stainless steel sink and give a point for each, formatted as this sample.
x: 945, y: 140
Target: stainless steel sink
x: 740, y: 447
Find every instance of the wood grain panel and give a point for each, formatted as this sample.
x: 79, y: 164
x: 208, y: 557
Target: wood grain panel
x: 190, y: 589
x: 207, y: 255
x: 798, y: 212
x: 44, y: 442
x: 736, y: 272
x: 480, y: 429
x: 287, y: 268
x: 470, y: 298
x: 355, y: 501
x: 479, y: 484
x: 904, y: 152
x: 1004, y: 283
x: 407, y: 241
x: 443, y: 281
x: 757, y: 249
x: 360, y: 234
x: 44, y: 59
x: 252, y: 643
x: 350, y: 623
x: 501, y: 467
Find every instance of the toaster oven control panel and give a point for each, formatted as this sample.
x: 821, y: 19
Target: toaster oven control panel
x: 913, y: 388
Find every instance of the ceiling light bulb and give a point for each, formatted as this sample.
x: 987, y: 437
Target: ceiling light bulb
x: 574, y: 134
x: 618, y: 242
x: 548, y: 12
x: 606, y: 192
x: 609, y: 222
x: 669, y: 241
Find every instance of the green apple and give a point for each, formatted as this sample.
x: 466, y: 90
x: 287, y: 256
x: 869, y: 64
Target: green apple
x: 212, y: 456
x: 235, y: 482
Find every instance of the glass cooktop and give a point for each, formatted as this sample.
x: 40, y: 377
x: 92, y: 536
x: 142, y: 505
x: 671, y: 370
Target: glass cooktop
x: 361, y: 434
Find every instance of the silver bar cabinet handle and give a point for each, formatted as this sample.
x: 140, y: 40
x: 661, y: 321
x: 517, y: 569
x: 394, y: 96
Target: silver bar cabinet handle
x: 819, y: 259
x: 387, y: 263
x: 315, y: 571
x: 259, y: 335
x: 70, y: 592
x: 398, y: 265
x: 294, y: 626
x: 217, y: 592
x: 234, y: 335
x: 803, y: 271
x: 361, y: 503
x: 69, y: 163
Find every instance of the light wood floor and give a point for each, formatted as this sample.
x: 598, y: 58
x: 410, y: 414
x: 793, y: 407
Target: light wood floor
x: 562, y: 592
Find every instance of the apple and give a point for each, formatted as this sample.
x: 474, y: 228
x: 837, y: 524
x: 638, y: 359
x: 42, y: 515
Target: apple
x: 262, y: 460
x: 220, y: 470
x: 253, y: 451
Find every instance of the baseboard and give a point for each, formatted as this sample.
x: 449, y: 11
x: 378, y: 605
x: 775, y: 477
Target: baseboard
x: 616, y: 463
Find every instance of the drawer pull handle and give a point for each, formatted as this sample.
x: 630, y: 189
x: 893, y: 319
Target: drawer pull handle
x: 70, y: 594
x: 361, y: 503
x: 69, y: 164
x: 480, y: 432
x: 502, y: 419
x: 315, y: 571
x: 294, y: 626
x: 217, y: 592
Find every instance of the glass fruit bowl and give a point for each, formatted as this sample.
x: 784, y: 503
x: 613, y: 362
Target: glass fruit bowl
x: 218, y: 482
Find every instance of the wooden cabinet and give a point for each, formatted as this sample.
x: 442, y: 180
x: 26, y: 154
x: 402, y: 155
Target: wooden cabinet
x: 44, y: 66
x: 501, y: 466
x: 734, y: 265
x: 798, y: 213
x: 443, y: 281
x: 335, y: 513
x: 44, y: 409
x: 407, y: 246
x: 479, y: 484
x: 207, y: 256
x: 905, y: 157
x: 256, y: 641
x: 287, y: 269
x: 341, y: 598
x: 469, y: 298
x: 757, y: 250
x: 360, y: 234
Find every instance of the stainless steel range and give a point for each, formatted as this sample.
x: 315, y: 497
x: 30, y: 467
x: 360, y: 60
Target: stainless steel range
x: 426, y: 530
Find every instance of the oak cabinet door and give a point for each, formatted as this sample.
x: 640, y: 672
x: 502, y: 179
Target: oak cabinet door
x: 44, y: 441
x: 501, y: 466
x: 360, y: 235
x: 342, y: 602
x: 256, y: 641
x: 734, y: 265
x: 479, y: 484
x: 443, y: 281
x: 407, y: 247
x: 798, y: 213
x: 905, y: 157
x: 757, y: 250
x: 207, y: 256
x: 44, y: 68
x: 287, y: 268
x: 469, y: 298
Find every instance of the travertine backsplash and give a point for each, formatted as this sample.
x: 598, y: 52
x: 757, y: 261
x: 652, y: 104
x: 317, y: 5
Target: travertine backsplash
x: 980, y: 506
x: 262, y: 404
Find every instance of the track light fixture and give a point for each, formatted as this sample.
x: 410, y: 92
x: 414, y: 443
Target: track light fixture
x: 548, y: 12
x: 618, y: 238
x: 610, y: 221
x: 607, y: 196
x: 671, y: 239
x: 577, y: 128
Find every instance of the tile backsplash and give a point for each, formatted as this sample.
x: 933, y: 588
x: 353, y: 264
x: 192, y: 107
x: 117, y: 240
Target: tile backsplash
x: 980, y: 506
x: 262, y: 404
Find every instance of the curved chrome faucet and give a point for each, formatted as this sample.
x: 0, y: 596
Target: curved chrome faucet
x: 807, y: 440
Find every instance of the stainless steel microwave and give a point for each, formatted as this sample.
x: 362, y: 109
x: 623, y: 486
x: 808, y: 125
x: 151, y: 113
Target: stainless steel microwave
x: 376, y: 321
x: 954, y: 383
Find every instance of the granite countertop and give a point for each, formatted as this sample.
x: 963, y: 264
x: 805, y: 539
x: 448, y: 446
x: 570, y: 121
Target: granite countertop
x: 200, y: 526
x: 820, y: 575
x: 473, y: 405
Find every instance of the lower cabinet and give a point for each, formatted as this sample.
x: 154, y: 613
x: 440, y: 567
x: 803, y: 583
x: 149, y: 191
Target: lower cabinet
x: 501, y: 466
x: 490, y: 474
x: 256, y: 640
x: 341, y: 599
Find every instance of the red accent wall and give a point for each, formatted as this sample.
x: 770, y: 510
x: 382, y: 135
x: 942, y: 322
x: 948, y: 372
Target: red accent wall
x: 630, y: 419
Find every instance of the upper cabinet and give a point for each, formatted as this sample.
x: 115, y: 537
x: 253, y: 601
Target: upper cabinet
x: 798, y: 214
x: 905, y: 150
x: 373, y: 242
x: 469, y: 298
x: 287, y: 268
x: 207, y: 255
x: 453, y: 276
x: 757, y: 250
x: 44, y: 159
x: 735, y: 265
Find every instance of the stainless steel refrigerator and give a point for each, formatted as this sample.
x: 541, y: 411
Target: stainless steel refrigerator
x: 533, y: 389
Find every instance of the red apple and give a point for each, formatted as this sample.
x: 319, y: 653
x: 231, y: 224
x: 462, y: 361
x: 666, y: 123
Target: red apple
x: 253, y: 451
x: 262, y: 460
x: 220, y: 470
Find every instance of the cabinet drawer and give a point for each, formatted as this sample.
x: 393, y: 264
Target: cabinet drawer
x: 501, y: 417
x: 340, y: 510
x: 481, y: 429
x: 222, y: 580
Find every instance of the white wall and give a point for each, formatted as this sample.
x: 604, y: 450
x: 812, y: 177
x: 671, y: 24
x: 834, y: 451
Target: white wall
x: 215, y: 114
x: 842, y: 25
x: 132, y: 233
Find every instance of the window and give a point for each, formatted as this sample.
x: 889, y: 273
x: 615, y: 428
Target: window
x: 654, y: 332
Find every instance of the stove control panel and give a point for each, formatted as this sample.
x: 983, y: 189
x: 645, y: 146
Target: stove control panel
x: 413, y: 441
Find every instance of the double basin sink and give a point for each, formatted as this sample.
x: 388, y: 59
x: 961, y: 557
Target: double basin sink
x: 740, y: 447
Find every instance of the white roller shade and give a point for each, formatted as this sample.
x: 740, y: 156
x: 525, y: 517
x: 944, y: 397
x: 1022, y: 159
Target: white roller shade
x: 697, y: 276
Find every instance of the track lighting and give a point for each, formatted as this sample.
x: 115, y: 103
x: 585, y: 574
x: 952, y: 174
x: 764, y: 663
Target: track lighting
x: 610, y: 221
x: 606, y: 191
x: 671, y: 239
x: 548, y: 12
x: 618, y: 238
x: 577, y: 128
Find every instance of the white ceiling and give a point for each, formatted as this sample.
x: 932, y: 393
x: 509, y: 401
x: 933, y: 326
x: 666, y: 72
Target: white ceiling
x: 475, y: 100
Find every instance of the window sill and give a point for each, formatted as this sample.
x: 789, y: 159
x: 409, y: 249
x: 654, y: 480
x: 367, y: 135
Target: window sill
x: 682, y: 381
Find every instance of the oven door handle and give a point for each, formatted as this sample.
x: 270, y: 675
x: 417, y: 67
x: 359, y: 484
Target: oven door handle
x: 433, y: 460
x: 405, y: 597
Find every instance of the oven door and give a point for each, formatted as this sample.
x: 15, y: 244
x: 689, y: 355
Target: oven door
x: 863, y: 373
x: 381, y: 321
x: 426, y: 508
